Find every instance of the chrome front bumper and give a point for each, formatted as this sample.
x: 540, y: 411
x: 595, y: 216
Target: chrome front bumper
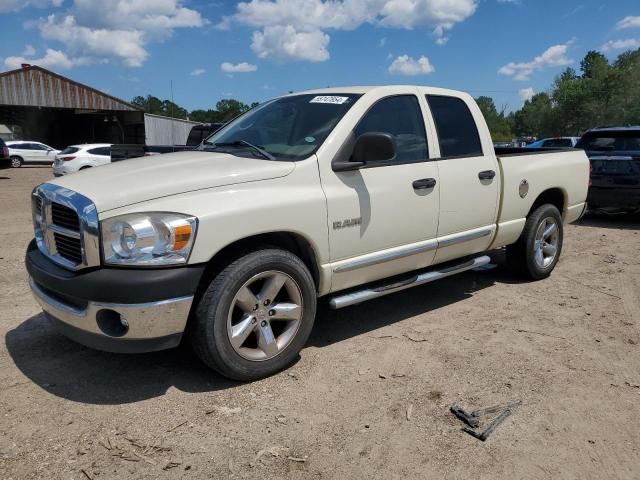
x: 126, y: 328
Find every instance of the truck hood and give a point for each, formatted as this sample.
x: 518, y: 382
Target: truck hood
x: 141, y: 179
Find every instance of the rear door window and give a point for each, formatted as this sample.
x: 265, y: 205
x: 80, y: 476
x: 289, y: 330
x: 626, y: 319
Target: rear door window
x: 105, y: 151
x: 456, y: 128
x: 68, y: 151
x: 399, y: 116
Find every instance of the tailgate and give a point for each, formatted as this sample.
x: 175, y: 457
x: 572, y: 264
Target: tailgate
x: 615, y: 171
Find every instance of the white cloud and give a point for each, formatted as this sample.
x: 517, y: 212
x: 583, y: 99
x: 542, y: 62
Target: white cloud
x: 29, y: 51
x: 97, y: 44
x: 312, y: 18
x: 628, y: 22
x: 382, y: 42
x: 97, y: 32
x: 286, y: 43
x: 406, y: 65
x: 243, y: 67
x: 554, y: 56
x: 197, y: 72
x: 628, y: 44
x: 441, y: 14
x: 53, y: 59
x: 156, y: 18
x: 15, y: 5
x: 526, y: 94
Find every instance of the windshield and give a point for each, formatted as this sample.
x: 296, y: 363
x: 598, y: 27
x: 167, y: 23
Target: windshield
x: 288, y: 128
x: 610, y: 141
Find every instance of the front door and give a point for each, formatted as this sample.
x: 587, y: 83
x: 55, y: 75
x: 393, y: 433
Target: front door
x: 38, y: 152
x: 383, y: 217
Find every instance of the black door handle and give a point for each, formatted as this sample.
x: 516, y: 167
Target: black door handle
x: 424, y: 183
x: 486, y: 175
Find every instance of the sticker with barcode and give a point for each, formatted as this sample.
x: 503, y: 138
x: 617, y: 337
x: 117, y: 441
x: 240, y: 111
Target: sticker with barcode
x: 329, y: 99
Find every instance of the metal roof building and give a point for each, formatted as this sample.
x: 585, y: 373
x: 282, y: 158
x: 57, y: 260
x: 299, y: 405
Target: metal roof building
x: 41, y: 105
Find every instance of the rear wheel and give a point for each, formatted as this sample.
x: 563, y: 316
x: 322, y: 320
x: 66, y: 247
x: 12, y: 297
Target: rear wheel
x: 255, y: 316
x: 16, y: 162
x: 538, y: 249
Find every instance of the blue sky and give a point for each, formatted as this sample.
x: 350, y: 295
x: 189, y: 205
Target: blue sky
x: 262, y: 48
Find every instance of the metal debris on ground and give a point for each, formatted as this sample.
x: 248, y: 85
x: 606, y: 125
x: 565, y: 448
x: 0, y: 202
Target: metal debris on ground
x: 464, y: 416
x: 297, y: 459
x: 472, y: 418
x: 171, y: 465
x: 414, y: 339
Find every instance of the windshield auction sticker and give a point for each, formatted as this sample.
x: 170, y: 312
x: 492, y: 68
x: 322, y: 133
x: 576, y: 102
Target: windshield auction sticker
x: 329, y: 99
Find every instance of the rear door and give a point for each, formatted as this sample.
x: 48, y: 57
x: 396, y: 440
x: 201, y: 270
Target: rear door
x: 469, y: 177
x: 21, y: 150
x: 100, y: 155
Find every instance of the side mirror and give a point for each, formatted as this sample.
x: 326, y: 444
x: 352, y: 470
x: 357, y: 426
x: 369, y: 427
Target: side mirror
x: 374, y: 147
x: 368, y: 147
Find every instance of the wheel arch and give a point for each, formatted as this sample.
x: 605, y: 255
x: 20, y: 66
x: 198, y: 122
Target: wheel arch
x: 286, y: 240
x: 555, y: 196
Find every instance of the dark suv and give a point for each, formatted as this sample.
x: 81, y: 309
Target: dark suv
x: 614, y: 153
x: 5, y: 161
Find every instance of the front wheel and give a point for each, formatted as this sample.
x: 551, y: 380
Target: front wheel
x: 16, y: 162
x: 538, y: 249
x: 255, y: 316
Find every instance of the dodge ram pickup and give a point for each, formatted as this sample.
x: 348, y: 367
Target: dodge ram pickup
x: 345, y: 193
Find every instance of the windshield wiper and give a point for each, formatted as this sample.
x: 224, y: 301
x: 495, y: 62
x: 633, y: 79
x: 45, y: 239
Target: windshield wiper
x: 244, y: 143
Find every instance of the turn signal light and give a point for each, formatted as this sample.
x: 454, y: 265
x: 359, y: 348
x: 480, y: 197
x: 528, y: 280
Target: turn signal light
x: 182, y: 235
x: 66, y: 159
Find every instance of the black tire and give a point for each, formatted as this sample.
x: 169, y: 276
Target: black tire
x: 208, y: 332
x: 522, y: 254
x: 16, y: 162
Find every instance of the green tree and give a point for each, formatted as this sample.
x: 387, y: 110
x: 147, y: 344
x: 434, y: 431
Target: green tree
x: 535, y: 117
x: 155, y: 106
x: 499, y: 125
x: 229, y: 108
x: 603, y: 93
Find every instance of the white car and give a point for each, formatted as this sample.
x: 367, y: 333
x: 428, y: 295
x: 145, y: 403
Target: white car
x: 26, y: 151
x: 79, y: 157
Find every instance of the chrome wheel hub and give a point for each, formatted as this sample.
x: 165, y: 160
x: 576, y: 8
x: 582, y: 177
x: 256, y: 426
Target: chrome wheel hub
x: 265, y: 315
x: 545, y: 246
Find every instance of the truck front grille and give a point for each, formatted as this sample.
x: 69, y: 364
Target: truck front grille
x: 68, y: 247
x: 65, y: 217
x: 66, y: 227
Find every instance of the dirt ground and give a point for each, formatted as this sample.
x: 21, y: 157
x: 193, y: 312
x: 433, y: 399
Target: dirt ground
x: 369, y: 396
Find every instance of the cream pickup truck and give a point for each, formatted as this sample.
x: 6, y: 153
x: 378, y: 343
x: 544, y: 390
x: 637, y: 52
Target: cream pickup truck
x: 345, y: 193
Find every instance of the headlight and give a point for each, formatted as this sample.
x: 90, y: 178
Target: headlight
x: 148, y: 239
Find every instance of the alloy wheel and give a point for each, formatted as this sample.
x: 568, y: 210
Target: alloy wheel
x: 265, y: 315
x: 545, y: 245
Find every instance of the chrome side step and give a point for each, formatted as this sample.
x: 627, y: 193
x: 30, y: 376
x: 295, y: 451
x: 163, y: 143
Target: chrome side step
x: 358, y: 296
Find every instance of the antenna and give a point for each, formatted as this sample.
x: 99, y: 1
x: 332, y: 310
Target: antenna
x: 172, y: 101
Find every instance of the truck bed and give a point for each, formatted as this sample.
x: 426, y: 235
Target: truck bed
x: 513, y: 151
